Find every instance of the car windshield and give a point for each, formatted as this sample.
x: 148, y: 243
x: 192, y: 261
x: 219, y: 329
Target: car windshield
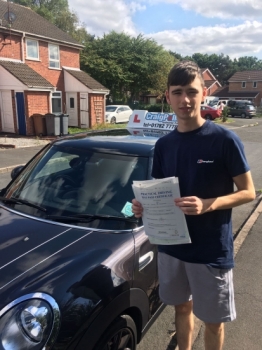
x: 111, y: 108
x: 70, y: 182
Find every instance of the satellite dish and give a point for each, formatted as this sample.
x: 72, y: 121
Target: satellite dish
x: 10, y: 17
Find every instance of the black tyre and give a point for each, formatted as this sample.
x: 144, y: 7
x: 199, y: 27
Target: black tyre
x: 209, y: 117
x: 120, y: 335
x: 243, y: 115
x: 113, y: 120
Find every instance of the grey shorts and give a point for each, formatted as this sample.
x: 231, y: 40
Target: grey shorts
x: 211, y: 289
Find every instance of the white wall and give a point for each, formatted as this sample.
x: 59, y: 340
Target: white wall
x: 9, y: 82
x: 74, y: 85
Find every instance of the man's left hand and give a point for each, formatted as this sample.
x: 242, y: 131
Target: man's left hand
x: 192, y: 205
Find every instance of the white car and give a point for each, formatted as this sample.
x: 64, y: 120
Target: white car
x: 118, y: 113
x: 217, y: 104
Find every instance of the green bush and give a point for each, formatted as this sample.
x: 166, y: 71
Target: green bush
x: 224, y: 114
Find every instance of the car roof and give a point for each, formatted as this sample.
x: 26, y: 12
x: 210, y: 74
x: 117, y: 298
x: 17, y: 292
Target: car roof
x: 114, y: 141
x: 117, y: 106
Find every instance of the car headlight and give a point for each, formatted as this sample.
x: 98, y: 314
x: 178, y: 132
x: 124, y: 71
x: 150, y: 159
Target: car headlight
x: 29, y: 322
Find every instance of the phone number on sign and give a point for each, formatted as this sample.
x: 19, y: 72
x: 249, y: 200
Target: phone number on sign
x: 160, y: 126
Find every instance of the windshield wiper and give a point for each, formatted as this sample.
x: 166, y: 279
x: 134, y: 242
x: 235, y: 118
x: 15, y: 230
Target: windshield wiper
x: 88, y: 218
x: 21, y: 201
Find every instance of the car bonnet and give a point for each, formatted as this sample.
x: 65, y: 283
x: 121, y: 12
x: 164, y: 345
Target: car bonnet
x: 25, y: 243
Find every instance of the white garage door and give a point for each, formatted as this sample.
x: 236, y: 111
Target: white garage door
x: 6, y: 111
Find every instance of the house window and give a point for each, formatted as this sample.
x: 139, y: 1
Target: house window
x: 243, y: 84
x: 254, y: 84
x: 32, y: 51
x: 54, y: 60
x: 57, y: 102
x: 72, y: 102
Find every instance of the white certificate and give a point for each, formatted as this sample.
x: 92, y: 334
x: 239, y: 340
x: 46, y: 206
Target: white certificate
x: 164, y: 222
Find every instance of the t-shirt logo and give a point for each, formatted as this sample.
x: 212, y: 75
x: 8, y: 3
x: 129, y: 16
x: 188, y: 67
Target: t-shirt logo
x: 200, y: 161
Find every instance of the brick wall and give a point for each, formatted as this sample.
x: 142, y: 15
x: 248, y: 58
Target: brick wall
x: 213, y: 89
x: 96, y: 109
x: 207, y: 76
x: 69, y: 57
x: 35, y: 103
x: 10, y: 46
x: 237, y: 86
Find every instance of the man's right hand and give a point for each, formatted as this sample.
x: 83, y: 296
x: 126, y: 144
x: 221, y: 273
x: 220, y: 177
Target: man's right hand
x: 137, y: 208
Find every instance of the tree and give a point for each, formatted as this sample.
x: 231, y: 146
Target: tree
x: 127, y: 65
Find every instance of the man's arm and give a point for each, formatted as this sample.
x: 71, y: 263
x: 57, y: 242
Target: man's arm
x: 245, y: 193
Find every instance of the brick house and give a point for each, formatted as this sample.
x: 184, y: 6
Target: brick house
x: 40, y: 73
x: 211, y: 83
x: 245, y: 85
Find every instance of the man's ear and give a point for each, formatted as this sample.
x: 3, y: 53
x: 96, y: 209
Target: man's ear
x: 167, y: 97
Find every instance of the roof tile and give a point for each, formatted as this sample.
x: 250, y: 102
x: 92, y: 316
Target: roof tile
x: 26, y: 75
x: 85, y: 79
x: 30, y: 22
x: 252, y: 75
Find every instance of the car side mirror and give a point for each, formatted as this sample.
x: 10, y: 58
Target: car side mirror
x: 16, y: 171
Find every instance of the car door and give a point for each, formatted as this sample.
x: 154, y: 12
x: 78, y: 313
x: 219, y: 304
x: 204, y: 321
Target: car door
x: 127, y: 112
x: 120, y: 115
x: 145, y: 269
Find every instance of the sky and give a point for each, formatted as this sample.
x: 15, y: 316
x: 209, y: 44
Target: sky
x: 231, y: 27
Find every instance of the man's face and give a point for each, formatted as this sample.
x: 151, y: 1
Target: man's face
x: 186, y: 100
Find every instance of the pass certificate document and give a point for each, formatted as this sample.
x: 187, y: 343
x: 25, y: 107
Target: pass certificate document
x: 164, y: 222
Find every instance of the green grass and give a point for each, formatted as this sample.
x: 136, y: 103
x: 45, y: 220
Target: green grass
x: 104, y: 126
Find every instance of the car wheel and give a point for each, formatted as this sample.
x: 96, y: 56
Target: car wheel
x: 209, y: 117
x: 120, y: 335
x: 243, y: 115
x: 113, y: 120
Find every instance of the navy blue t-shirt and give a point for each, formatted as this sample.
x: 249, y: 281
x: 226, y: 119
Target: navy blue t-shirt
x: 205, y: 160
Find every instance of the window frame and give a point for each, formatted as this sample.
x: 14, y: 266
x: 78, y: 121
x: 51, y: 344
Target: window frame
x: 58, y: 96
x: 52, y: 59
x: 255, y: 84
x: 243, y: 85
x: 37, y: 44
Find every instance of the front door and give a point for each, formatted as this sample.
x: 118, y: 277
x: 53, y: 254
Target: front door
x: 71, y: 103
x: 6, y: 109
x: 20, y: 107
x: 84, y: 114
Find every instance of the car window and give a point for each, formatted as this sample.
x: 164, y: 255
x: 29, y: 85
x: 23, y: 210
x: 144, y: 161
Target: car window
x: 111, y: 108
x: 70, y: 182
x: 121, y: 109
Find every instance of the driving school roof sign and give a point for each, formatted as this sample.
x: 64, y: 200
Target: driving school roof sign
x: 142, y: 122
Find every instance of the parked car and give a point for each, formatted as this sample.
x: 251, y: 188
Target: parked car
x: 118, y: 114
x: 77, y: 270
x: 216, y: 104
x: 210, y: 113
x: 241, y: 108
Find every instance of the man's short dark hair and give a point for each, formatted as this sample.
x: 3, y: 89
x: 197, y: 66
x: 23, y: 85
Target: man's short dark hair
x: 183, y: 73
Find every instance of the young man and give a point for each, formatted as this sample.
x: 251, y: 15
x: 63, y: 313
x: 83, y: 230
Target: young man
x: 208, y: 160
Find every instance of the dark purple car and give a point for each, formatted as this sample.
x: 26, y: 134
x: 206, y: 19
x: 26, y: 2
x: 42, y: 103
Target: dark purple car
x: 76, y: 268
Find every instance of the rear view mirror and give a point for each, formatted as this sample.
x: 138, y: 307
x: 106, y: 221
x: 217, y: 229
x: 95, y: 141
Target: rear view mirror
x: 16, y: 171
